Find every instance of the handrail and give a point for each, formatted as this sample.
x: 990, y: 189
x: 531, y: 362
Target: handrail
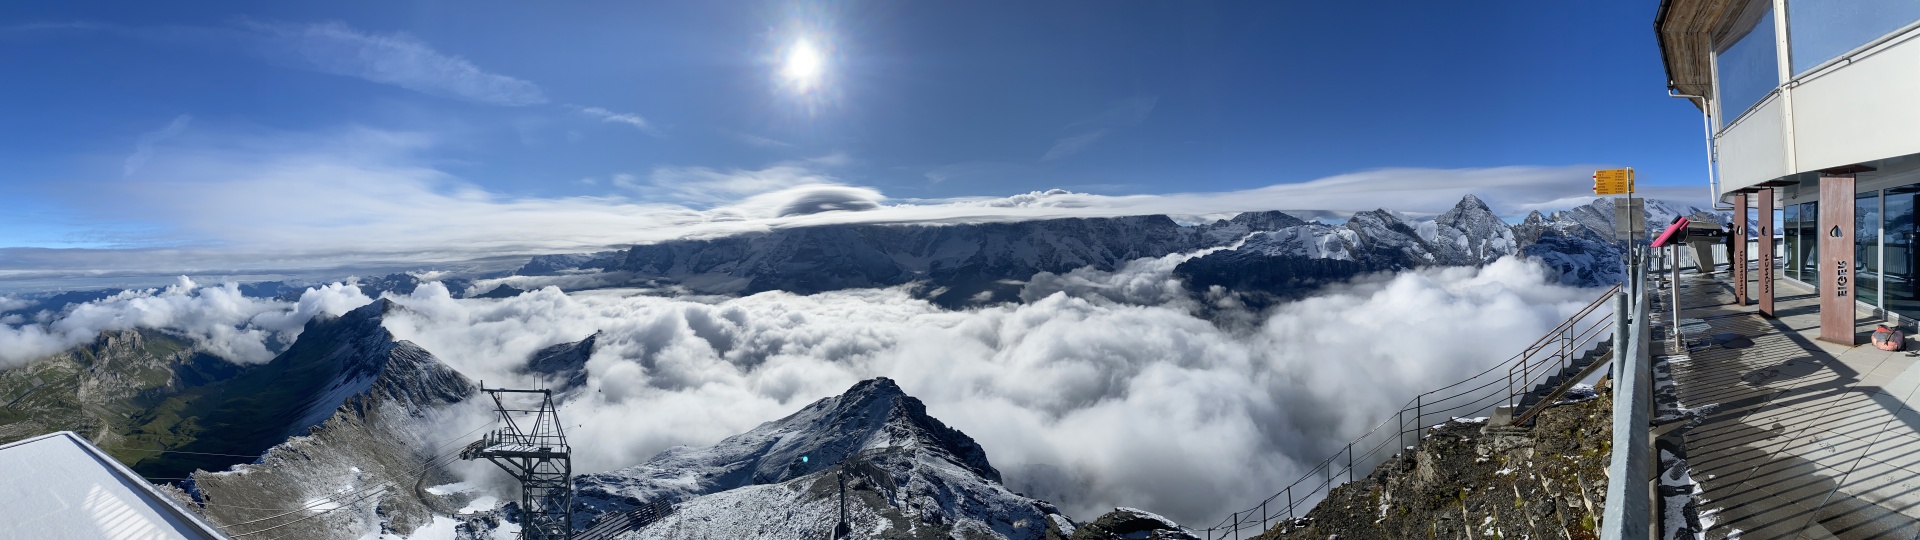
x: 1629, y: 508
x: 1491, y: 388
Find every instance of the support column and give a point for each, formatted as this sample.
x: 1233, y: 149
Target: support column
x: 1766, y: 252
x: 1836, y: 259
x: 1737, y: 254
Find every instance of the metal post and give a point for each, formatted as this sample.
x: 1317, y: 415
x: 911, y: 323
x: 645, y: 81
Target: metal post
x: 1400, y: 425
x: 1679, y: 339
x: 1289, y: 506
x: 1349, y: 464
x: 1236, y: 526
x: 1620, y: 334
x: 1419, y: 427
x: 1263, y: 514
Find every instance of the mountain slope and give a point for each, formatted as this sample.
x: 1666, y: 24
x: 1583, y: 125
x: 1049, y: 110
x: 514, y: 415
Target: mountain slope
x: 368, y: 453
x: 908, y: 475
x: 102, y: 390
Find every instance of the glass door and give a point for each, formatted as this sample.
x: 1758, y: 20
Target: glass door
x: 1866, y: 247
x: 1898, y: 267
x: 1810, y: 243
x: 1790, y: 235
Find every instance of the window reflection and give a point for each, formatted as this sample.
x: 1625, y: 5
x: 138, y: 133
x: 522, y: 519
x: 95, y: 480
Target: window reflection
x: 1822, y: 30
x: 1901, y: 259
x: 1749, y: 68
x: 1866, y: 248
x: 1810, y: 243
x: 1790, y: 229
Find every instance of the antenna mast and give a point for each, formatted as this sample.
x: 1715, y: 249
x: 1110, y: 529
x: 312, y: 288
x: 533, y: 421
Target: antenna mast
x: 534, y: 450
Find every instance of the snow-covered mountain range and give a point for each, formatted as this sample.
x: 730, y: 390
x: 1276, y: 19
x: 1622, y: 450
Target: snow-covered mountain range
x: 965, y: 264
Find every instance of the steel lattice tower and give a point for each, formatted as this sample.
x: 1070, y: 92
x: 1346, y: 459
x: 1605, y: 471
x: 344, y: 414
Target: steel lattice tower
x: 533, y: 449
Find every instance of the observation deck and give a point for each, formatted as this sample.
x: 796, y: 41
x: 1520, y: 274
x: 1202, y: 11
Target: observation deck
x: 1803, y: 438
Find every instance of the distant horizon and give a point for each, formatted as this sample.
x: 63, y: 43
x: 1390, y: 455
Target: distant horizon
x: 54, y: 278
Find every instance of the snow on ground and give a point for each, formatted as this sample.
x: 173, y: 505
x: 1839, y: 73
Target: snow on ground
x: 456, y: 487
x: 480, y: 504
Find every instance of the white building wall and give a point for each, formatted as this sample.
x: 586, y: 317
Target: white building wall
x: 1862, y: 108
x: 1867, y: 110
x: 1755, y: 149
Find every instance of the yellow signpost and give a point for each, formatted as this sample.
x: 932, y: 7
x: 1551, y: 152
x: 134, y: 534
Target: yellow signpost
x: 1613, y: 182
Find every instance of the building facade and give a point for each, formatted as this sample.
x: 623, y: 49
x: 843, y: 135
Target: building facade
x: 1812, y: 108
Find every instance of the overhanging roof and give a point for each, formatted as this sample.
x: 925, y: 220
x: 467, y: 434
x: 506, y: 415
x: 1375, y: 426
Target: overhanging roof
x: 1684, y: 29
x: 61, y: 486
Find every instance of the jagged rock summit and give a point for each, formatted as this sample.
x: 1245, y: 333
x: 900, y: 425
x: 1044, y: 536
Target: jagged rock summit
x: 362, y: 406
x: 908, y: 475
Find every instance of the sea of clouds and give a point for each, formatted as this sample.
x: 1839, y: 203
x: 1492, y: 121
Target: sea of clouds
x: 1100, y: 389
x: 219, y: 319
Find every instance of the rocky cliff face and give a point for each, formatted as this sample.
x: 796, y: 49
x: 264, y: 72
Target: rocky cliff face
x: 102, y: 390
x: 1467, y: 481
x: 374, y: 403
x: 908, y: 476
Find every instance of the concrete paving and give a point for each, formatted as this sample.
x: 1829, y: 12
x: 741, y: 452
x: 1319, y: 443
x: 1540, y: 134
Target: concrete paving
x: 1805, y: 439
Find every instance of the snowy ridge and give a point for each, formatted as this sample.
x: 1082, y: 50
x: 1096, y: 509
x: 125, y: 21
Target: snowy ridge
x: 368, y: 444
x: 1577, y: 244
x: 907, y: 472
x: 966, y: 264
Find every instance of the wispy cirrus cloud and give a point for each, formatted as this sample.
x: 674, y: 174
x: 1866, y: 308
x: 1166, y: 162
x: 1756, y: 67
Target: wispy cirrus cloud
x: 1123, y: 113
x: 396, y: 59
x: 605, y: 115
x: 143, y: 150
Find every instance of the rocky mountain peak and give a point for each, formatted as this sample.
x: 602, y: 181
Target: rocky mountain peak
x: 1270, y: 220
x: 1470, y: 210
x: 899, y: 465
x: 874, y: 417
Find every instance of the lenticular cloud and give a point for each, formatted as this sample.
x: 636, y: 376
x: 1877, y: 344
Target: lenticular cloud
x: 1080, y: 395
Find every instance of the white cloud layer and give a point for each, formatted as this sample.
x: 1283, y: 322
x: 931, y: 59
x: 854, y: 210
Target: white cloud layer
x: 1077, y: 397
x: 1100, y: 389
x: 218, y: 319
x: 223, y: 202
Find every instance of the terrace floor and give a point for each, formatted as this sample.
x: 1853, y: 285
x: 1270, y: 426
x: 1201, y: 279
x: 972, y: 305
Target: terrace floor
x: 1805, y: 439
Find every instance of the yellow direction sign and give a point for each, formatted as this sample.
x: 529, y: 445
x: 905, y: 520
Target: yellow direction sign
x: 1613, y: 181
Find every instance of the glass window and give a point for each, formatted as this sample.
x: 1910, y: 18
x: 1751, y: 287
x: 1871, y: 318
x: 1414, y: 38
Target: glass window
x: 1866, y: 247
x: 1810, y: 243
x: 1748, y: 69
x: 1821, y: 30
x: 1790, y: 229
x: 1901, y: 260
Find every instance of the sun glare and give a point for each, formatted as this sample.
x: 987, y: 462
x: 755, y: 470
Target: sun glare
x: 803, y: 66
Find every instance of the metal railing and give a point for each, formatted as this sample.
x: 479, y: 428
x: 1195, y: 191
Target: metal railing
x: 1560, y: 347
x: 1629, y: 509
x: 1500, y: 385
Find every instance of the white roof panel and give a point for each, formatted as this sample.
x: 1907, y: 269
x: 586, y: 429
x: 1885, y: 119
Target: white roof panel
x: 61, y: 486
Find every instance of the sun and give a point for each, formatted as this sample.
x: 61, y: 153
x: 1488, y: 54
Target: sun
x: 803, y: 66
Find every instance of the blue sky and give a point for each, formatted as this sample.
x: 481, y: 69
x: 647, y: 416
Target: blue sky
x: 318, y: 129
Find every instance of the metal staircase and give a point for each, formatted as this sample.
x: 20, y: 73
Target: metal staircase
x: 1555, y: 386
